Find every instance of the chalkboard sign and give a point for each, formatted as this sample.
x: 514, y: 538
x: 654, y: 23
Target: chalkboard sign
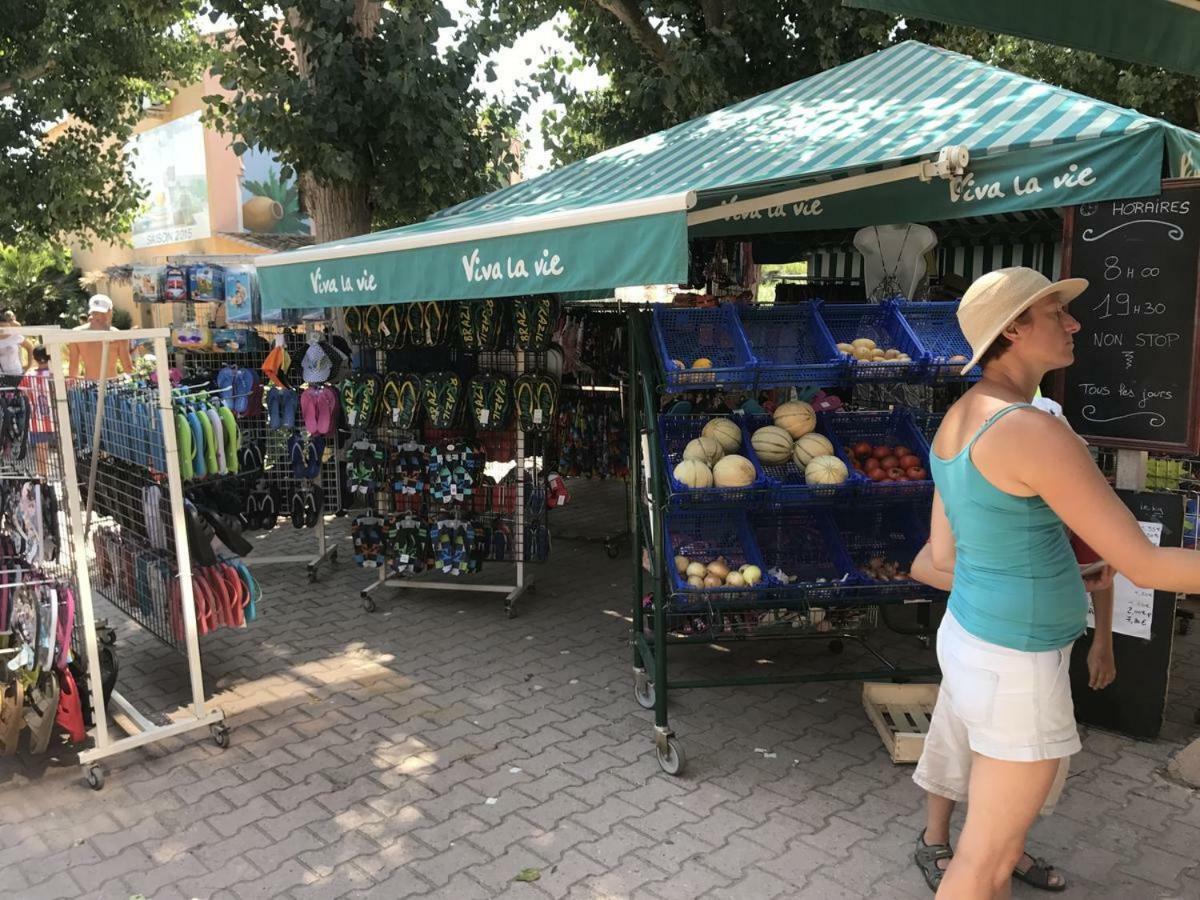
x: 1132, y: 384
x: 1135, y: 703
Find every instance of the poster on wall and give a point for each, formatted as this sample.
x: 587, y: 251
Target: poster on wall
x: 1133, y: 606
x: 270, y: 202
x: 168, y: 161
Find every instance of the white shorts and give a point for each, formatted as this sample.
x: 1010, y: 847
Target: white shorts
x: 998, y: 702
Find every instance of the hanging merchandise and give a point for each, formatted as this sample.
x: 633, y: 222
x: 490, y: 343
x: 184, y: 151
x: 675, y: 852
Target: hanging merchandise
x: 206, y: 283
x: 369, y: 536
x: 455, y: 549
x: 366, y: 465
x: 536, y: 397
x: 319, y: 408
x: 360, y: 398
x: 409, y: 467
x: 400, y: 400
x: 534, y: 320
x: 453, y: 470
x: 591, y: 436
x: 490, y: 401
x: 408, y: 551
x: 241, y: 295
x: 427, y: 323
x: 147, y: 284
x: 441, y: 392
x: 175, y: 284
x: 480, y: 325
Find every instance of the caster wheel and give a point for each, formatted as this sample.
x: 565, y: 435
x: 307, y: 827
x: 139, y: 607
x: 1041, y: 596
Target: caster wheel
x: 95, y: 777
x: 644, y: 697
x: 312, y: 575
x: 612, y: 551
x: 673, y: 760
x: 220, y: 735
x: 369, y: 605
x: 510, y: 612
x: 836, y: 647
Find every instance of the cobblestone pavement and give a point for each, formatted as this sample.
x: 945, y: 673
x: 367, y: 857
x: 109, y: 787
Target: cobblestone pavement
x: 435, y: 748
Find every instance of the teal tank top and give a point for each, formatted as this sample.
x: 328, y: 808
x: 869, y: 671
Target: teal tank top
x: 1016, y: 581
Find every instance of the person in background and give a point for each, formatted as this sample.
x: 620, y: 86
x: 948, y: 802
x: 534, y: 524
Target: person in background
x: 14, y: 350
x: 88, y: 355
x: 1004, y: 719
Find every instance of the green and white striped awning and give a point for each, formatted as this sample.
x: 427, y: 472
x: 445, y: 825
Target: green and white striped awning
x: 840, y: 148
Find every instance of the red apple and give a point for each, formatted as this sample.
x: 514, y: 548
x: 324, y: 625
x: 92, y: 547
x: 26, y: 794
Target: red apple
x: 862, y: 448
x: 890, y: 462
x: 916, y: 473
x: 871, y: 465
x: 896, y: 474
x: 881, y: 451
x: 901, y: 450
x: 909, y: 460
x: 877, y: 474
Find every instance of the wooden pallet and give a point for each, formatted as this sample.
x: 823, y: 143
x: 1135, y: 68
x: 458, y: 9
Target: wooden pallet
x: 901, y: 714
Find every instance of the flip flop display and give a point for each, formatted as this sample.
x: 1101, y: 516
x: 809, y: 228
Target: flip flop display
x: 534, y: 319
x: 371, y: 320
x: 392, y: 331
x: 354, y: 324
x: 441, y: 392
x: 480, y: 324
x: 427, y: 323
x: 536, y: 396
x: 400, y: 400
x: 490, y: 399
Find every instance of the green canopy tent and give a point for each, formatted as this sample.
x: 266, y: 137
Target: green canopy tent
x: 881, y: 139
x: 1164, y: 33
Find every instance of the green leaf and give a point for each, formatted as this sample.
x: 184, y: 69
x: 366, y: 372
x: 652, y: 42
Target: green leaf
x: 528, y: 875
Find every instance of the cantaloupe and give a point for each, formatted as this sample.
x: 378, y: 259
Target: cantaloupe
x: 810, y: 447
x: 826, y: 470
x: 726, y: 433
x: 706, y: 449
x: 772, y: 444
x: 796, y: 417
x: 694, y: 473
x: 733, y: 472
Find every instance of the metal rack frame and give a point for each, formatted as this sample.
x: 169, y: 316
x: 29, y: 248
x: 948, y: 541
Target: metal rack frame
x: 652, y: 682
x: 140, y: 731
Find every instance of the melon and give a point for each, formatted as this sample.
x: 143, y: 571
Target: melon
x: 810, y: 447
x: 706, y: 449
x: 826, y: 470
x: 733, y: 472
x: 725, y: 432
x: 796, y: 417
x: 772, y: 444
x: 694, y: 473
x: 702, y: 363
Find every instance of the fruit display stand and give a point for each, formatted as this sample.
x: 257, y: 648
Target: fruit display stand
x: 804, y: 544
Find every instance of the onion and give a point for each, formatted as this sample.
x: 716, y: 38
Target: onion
x: 752, y: 575
x: 735, y: 579
x: 713, y: 581
x: 681, y: 564
x: 696, y: 570
x: 718, y: 568
x: 695, y: 581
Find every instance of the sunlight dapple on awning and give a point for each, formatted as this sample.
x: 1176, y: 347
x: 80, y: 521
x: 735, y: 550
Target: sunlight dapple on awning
x: 838, y: 149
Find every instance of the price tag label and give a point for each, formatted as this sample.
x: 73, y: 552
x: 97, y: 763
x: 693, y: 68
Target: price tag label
x: 537, y: 417
x: 385, y: 330
x: 485, y: 416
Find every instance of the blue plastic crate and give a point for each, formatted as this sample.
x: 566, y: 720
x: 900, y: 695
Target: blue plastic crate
x: 882, y: 324
x: 784, y: 482
x: 684, y: 335
x: 674, y: 433
x: 791, y: 344
x: 894, y: 532
x: 896, y: 428
x: 803, y: 551
x: 927, y: 423
x: 702, y: 536
x: 936, y: 328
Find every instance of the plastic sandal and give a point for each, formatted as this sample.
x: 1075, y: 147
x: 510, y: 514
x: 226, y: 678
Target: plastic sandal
x: 1038, y: 875
x: 927, y: 857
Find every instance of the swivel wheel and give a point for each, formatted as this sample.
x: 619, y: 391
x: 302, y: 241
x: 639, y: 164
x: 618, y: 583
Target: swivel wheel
x: 671, y: 760
x: 312, y: 575
x: 220, y: 735
x: 612, y: 549
x: 95, y: 777
x: 643, y: 692
x: 368, y: 604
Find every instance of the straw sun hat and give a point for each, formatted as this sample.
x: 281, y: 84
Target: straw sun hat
x: 994, y: 300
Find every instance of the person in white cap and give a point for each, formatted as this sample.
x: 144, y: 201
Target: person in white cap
x: 1009, y: 481
x: 100, y: 308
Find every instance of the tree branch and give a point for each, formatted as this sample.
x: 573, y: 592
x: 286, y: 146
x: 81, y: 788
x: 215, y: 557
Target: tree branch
x: 644, y: 36
x: 7, y: 87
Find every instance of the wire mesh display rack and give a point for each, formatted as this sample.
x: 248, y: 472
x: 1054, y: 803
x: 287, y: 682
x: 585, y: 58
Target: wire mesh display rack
x: 138, y: 558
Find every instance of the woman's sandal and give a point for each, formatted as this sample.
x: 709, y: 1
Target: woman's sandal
x: 927, y: 857
x: 1038, y: 875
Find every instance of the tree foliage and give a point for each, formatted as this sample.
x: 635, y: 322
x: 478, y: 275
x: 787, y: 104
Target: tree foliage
x: 668, y: 61
x: 39, y: 283
x: 363, y: 102
x: 88, y: 66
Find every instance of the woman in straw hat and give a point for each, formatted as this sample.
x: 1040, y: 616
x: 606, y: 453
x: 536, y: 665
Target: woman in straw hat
x: 1008, y: 477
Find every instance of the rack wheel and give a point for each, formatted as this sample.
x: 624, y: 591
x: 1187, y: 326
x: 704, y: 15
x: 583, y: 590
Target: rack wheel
x: 836, y: 646
x: 95, y: 777
x: 368, y: 604
x: 220, y: 735
x: 645, y: 698
x: 673, y: 760
x: 612, y: 549
x: 312, y: 575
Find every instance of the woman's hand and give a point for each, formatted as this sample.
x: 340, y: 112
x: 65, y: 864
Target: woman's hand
x: 1100, y: 580
x: 1102, y: 668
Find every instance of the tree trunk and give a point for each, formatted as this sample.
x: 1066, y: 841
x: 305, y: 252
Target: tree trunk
x: 338, y: 210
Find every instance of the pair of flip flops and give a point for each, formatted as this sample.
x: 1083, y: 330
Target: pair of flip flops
x: 453, y: 470
x: 409, y: 466
x: 480, y: 324
x: 407, y: 549
x: 536, y: 396
x: 15, y: 412
x: 304, y: 455
x: 369, y: 536
x: 365, y: 462
x: 455, y: 548
x: 400, y: 400
x: 381, y: 327
x: 262, y: 507
x: 490, y: 399
x: 534, y: 319
x: 441, y: 392
x: 319, y: 407
x: 307, y: 504
x: 250, y: 457
x: 427, y: 323
x: 361, y: 397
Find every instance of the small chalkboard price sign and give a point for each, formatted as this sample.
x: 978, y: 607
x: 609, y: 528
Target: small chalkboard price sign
x: 1133, y: 383
x: 1143, y: 635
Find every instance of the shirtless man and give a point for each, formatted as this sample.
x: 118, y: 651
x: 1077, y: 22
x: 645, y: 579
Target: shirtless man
x: 99, y: 319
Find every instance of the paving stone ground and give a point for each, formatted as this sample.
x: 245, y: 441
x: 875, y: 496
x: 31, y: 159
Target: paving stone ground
x: 437, y: 749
